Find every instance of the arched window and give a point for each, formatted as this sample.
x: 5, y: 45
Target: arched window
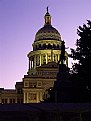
x: 39, y: 46
x: 44, y: 46
x: 49, y: 46
x: 54, y: 46
x: 57, y: 46
x: 36, y: 47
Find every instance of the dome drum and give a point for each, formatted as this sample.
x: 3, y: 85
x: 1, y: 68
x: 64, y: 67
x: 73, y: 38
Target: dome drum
x: 46, y: 44
x: 49, y: 46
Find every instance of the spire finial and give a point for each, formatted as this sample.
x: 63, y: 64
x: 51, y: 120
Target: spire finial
x: 47, y: 17
x: 47, y: 9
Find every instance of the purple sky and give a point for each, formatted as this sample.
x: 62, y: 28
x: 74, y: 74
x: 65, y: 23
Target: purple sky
x: 19, y: 22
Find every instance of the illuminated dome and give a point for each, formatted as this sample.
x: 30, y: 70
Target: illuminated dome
x: 47, y: 32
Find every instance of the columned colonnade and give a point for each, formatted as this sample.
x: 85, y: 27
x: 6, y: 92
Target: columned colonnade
x: 40, y: 59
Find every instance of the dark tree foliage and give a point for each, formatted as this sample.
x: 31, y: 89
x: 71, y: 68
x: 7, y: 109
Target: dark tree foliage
x: 51, y: 98
x: 81, y: 71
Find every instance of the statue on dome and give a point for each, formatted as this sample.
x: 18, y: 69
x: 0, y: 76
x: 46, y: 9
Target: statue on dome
x: 47, y: 9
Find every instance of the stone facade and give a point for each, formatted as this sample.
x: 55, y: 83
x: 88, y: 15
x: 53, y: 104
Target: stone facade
x: 12, y: 95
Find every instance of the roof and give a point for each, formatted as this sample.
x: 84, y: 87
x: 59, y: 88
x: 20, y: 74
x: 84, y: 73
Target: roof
x: 48, y: 33
x: 8, y: 91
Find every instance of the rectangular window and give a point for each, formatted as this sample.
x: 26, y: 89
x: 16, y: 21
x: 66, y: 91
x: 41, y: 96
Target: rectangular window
x: 39, y: 84
x: 19, y: 91
x: 19, y: 100
x: 26, y: 84
x: 2, y: 101
x: 33, y: 84
x: 5, y: 100
x: 12, y: 100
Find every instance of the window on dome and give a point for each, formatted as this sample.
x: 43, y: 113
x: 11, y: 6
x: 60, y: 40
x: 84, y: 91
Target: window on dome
x: 44, y: 46
x: 49, y: 46
x: 39, y: 46
x: 36, y: 46
x: 57, y: 46
x: 54, y: 46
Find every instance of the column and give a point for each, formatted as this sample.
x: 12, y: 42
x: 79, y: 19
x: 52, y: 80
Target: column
x: 40, y: 59
x: 40, y: 96
x: 8, y: 101
x: 58, y: 57
x: 32, y: 63
x: 46, y: 58
x: 37, y: 96
x: 29, y: 64
x: 24, y: 98
x: 35, y: 61
x: 51, y: 55
x: 15, y: 100
x: 27, y: 98
x: 0, y: 99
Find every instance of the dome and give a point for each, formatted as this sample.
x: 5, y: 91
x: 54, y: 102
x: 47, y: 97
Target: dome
x: 47, y: 33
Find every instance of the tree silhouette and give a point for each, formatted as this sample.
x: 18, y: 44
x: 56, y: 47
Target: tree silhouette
x: 51, y: 98
x: 81, y: 71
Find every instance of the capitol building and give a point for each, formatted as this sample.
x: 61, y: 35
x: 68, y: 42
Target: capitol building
x: 42, y: 70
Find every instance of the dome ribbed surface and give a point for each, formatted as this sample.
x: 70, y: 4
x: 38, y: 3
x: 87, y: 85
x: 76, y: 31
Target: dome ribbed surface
x: 47, y: 33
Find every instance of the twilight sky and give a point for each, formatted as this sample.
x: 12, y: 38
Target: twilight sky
x: 19, y: 22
